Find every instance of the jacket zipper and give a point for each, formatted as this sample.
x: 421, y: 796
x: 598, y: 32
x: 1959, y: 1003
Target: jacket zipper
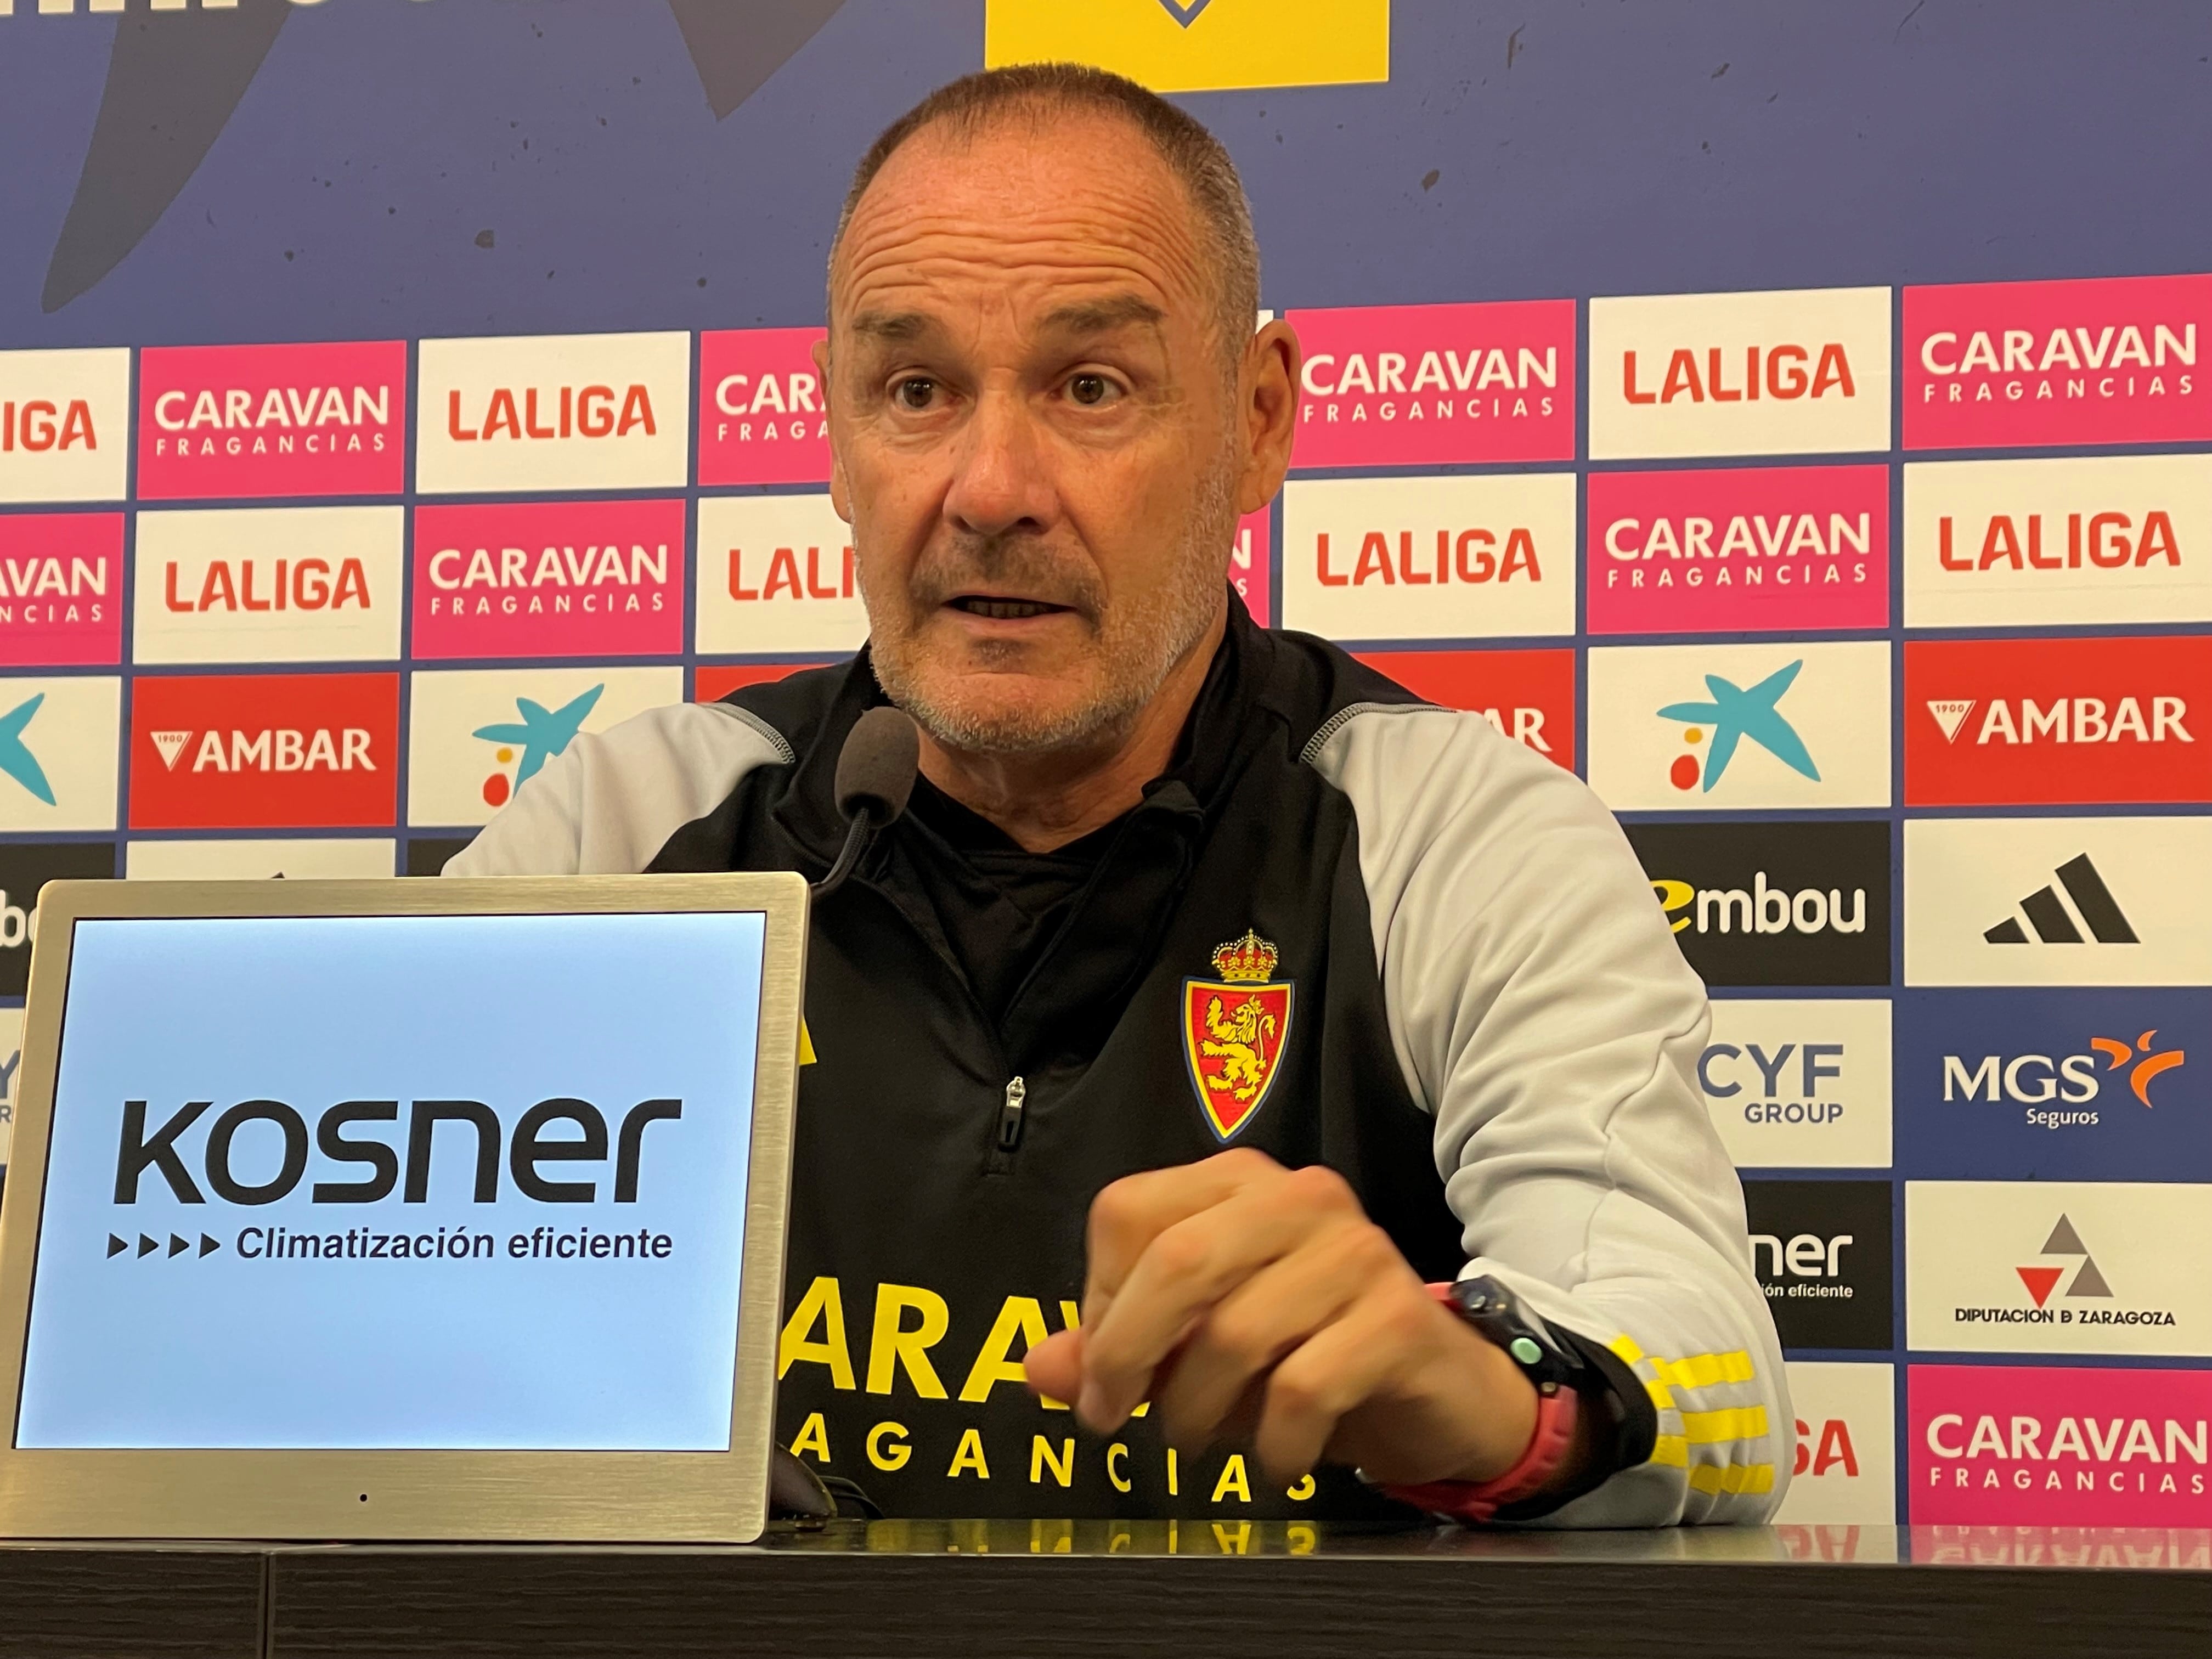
x: 1010, y: 1115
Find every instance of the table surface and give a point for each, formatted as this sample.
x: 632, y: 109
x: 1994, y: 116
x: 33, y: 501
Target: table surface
x: 1217, y: 1588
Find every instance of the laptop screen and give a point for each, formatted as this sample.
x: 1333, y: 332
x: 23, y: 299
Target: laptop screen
x: 423, y: 1182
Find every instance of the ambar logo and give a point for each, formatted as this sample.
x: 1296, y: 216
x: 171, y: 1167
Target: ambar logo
x: 272, y: 420
x: 762, y: 417
x: 62, y: 419
x: 1526, y: 696
x: 1778, y: 372
x: 2025, y: 722
x: 549, y: 580
x: 2117, y: 539
x: 1739, y: 549
x: 256, y: 750
x: 1403, y: 386
x: 2111, y: 359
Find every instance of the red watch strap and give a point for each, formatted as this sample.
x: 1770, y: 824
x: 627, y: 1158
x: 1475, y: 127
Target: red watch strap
x: 1480, y: 1500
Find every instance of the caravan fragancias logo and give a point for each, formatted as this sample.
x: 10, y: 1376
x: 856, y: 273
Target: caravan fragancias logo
x: 1733, y: 714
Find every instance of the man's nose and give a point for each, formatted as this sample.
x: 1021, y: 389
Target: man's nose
x: 1000, y: 480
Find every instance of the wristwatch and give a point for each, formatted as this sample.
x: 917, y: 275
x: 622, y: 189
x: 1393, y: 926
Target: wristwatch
x: 1554, y: 1368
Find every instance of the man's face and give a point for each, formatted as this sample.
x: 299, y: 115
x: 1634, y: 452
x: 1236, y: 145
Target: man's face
x: 1033, y: 429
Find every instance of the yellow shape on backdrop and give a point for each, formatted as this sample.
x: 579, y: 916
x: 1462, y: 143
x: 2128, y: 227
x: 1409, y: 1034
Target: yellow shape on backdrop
x: 1198, y: 46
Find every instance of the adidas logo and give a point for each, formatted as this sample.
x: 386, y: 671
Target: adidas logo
x: 2054, y: 924
x: 171, y: 745
x: 1950, y: 713
x: 2064, y: 1240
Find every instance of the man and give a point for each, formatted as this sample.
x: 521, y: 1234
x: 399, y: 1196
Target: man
x: 1168, y: 883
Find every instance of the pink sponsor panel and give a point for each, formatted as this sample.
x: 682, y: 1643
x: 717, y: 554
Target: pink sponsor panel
x: 61, y: 589
x: 272, y: 420
x: 1409, y: 386
x: 549, y: 579
x: 1251, y: 571
x: 2035, y: 1446
x: 1739, y: 549
x: 761, y: 415
x: 2110, y: 360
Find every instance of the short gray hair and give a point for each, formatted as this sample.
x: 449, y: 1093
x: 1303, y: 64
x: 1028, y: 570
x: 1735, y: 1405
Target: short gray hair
x: 975, y: 102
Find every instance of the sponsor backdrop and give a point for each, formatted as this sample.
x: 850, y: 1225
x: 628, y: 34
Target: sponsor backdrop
x: 391, y: 392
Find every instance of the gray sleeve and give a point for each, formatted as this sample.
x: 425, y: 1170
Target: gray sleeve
x: 1541, y: 1011
x: 610, y: 800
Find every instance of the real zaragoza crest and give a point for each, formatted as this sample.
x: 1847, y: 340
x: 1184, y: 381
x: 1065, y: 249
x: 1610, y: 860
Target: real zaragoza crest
x: 1233, y: 1029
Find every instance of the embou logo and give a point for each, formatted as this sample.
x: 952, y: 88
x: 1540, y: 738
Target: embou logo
x: 137, y: 1152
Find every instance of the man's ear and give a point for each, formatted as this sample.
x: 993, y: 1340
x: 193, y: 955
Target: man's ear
x: 840, y: 496
x: 1267, y: 399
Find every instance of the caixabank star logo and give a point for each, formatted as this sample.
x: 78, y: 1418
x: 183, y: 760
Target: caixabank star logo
x: 1234, y: 1028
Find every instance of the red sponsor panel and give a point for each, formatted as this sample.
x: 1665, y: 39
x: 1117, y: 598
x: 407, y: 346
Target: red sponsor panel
x: 2033, y: 1445
x: 1406, y: 386
x: 61, y: 589
x: 2104, y: 361
x: 762, y: 419
x: 716, y: 680
x: 277, y: 751
x: 2040, y: 721
x: 1739, y: 549
x: 549, y: 579
x: 1251, y: 571
x: 272, y: 420
x: 1527, y: 694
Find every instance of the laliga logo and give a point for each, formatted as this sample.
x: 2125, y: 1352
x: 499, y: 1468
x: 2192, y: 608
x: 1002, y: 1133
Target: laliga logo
x: 137, y: 1152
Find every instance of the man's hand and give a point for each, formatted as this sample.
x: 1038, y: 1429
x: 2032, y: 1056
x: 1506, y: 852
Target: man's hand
x: 1252, y: 1302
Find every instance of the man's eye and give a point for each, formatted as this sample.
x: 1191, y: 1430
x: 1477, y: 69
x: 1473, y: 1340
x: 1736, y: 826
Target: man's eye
x: 914, y: 391
x: 1090, y: 390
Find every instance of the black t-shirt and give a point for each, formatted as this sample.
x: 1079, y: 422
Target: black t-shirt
x: 999, y: 906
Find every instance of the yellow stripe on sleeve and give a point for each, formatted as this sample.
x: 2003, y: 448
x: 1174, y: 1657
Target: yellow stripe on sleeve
x: 1702, y: 1371
x: 1733, y: 1478
x: 1671, y: 1451
x: 1624, y: 1349
x: 1732, y: 1423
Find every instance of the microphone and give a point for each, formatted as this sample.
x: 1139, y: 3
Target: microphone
x: 876, y: 770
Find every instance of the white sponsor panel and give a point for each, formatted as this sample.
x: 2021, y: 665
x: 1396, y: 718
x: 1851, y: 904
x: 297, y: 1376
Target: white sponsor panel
x: 59, y: 743
x: 269, y: 584
x: 1435, y: 558
x: 2058, y: 1266
x: 777, y: 574
x: 2112, y: 901
x: 1846, y: 1466
x: 553, y: 411
x: 257, y: 859
x: 1795, y: 372
x: 2101, y: 538
x: 1800, y: 1082
x: 1716, y: 727
x: 64, y: 424
x: 475, y: 735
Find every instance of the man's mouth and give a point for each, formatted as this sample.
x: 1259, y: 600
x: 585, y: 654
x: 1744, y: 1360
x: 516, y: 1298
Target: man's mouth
x: 1002, y: 609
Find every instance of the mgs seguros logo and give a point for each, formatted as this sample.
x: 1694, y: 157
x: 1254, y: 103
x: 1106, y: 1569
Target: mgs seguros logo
x: 62, y: 419
x: 549, y: 579
x: 1821, y: 1250
x: 2007, y: 1083
x: 272, y: 420
x: 2025, y: 722
x: 1776, y: 903
x: 2045, y: 1266
x: 2106, y: 360
x: 1706, y: 727
x: 2118, y: 538
x: 252, y: 751
x: 61, y: 590
x: 1739, y: 549
x: 1430, y: 558
x: 554, y: 413
x: 268, y: 584
x: 1793, y: 373
x: 762, y: 418
x: 1411, y: 385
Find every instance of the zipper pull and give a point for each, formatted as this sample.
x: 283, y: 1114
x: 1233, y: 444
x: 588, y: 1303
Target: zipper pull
x: 1010, y: 1115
